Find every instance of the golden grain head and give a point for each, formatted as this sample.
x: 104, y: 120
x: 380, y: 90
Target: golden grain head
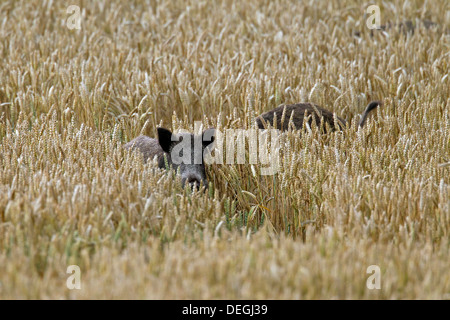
x: 339, y: 203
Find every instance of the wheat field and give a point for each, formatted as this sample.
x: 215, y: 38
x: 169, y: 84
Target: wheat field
x: 339, y: 203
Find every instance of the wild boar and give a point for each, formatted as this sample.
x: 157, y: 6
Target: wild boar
x: 182, y: 152
x: 316, y: 112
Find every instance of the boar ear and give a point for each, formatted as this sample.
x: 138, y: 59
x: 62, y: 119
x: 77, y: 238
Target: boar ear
x: 165, y: 139
x: 208, y: 137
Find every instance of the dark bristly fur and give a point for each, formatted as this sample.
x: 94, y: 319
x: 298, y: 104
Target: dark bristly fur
x: 149, y: 148
x: 191, y: 171
x: 372, y: 106
x: 313, y: 112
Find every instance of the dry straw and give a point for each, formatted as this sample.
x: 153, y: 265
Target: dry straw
x: 69, y: 194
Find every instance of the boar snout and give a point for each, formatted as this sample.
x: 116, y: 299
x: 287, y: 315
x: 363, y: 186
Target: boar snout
x: 194, y: 182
